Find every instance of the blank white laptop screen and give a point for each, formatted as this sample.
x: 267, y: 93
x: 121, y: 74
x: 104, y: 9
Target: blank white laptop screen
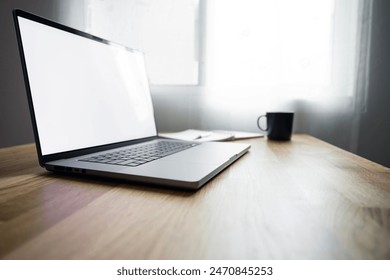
x: 85, y: 93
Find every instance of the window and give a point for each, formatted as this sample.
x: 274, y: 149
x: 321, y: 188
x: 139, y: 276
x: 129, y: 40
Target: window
x: 272, y: 42
x: 280, y: 47
x: 165, y: 30
x: 287, y: 47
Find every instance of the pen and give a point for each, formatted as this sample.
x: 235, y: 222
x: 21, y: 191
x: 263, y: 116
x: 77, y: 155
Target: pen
x: 202, y: 136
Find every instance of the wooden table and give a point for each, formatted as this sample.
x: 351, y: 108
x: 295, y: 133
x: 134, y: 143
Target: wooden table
x: 303, y: 199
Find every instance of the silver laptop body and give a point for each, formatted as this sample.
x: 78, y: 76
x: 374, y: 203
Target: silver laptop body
x: 90, y: 101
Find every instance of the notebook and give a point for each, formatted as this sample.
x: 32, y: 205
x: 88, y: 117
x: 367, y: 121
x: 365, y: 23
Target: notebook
x: 92, y: 111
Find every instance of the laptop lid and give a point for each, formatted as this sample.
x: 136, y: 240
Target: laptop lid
x: 83, y: 91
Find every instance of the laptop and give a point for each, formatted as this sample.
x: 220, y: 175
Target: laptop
x: 92, y: 111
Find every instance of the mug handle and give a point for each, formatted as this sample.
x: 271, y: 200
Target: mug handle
x: 258, y: 123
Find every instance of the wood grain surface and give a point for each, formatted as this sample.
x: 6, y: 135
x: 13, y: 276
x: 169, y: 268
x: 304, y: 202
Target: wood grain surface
x: 303, y: 199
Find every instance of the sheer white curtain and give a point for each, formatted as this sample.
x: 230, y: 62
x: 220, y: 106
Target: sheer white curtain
x: 307, y: 56
x: 224, y: 62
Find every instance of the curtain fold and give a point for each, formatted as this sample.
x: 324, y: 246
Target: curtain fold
x: 362, y: 69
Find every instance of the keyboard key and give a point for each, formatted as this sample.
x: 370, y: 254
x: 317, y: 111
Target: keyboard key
x: 141, y: 154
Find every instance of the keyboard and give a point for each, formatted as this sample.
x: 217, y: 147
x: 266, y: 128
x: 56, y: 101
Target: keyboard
x: 140, y: 154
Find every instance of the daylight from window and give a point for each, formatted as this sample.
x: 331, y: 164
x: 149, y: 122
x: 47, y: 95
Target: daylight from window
x: 280, y: 42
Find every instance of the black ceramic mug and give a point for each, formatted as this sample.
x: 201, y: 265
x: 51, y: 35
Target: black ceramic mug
x: 279, y: 125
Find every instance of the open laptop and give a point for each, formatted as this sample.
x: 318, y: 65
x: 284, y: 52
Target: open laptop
x: 92, y: 111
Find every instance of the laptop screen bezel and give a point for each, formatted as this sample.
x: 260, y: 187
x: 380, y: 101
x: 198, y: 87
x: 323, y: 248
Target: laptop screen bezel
x: 74, y: 153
